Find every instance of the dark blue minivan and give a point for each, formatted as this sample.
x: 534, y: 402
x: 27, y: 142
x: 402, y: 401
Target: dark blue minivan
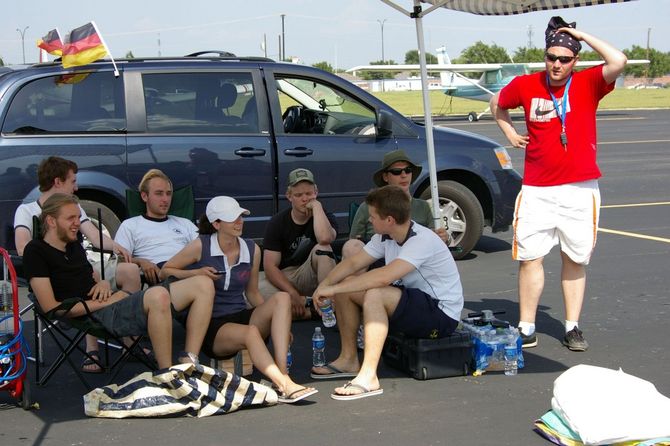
x: 232, y: 126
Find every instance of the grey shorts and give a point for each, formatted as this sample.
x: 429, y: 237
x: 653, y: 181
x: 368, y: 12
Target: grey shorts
x: 125, y: 317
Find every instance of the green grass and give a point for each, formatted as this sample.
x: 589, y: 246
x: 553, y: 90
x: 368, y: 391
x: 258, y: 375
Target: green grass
x: 409, y: 102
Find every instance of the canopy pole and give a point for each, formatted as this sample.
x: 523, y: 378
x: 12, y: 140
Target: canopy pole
x: 430, y: 144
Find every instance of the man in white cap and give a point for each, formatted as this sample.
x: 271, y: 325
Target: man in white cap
x: 559, y: 201
x: 297, y: 252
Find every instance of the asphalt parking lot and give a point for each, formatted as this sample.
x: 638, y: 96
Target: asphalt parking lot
x: 624, y: 319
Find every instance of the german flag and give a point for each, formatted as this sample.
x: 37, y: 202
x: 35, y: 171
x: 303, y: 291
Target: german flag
x: 51, y: 43
x: 84, y: 46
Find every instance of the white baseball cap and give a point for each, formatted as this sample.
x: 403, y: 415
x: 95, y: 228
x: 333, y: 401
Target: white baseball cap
x: 225, y: 209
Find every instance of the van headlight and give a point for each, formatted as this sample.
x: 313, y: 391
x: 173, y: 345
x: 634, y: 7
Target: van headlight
x: 503, y: 158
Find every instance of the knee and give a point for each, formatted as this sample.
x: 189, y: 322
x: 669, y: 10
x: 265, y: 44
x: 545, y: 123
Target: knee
x: 157, y: 298
x: 351, y: 247
x: 204, y: 287
x: 372, y: 298
x: 126, y: 272
x: 252, y: 333
x: 282, y: 299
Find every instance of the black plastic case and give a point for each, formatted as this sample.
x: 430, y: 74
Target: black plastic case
x: 430, y: 358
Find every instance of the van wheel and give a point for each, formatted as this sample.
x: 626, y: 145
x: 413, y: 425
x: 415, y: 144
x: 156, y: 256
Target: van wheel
x: 462, y: 215
x: 110, y: 222
x: 472, y: 117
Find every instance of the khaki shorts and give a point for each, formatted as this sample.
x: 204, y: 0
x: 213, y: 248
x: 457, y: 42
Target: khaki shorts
x: 546, y: 216
x: 110, y: 269
x: 303, y: 277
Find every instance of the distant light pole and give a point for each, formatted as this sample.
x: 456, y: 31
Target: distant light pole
x: 23, y: 41
x: 283, y: 39
x: 381, y: 22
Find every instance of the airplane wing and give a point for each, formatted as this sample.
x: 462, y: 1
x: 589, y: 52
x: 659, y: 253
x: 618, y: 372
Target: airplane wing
x: 476, y: 67
x: 537, y: 66
x: 457, y: 68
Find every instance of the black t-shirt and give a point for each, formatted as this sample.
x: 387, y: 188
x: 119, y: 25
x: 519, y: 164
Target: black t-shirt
x: 282, y: 234
x: 70, y: 273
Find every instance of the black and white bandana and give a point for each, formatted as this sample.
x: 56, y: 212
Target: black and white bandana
x: 554, y: 38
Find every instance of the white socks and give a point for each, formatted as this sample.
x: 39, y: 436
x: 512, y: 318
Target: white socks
x: 527, y: 328
x: 569, y: 325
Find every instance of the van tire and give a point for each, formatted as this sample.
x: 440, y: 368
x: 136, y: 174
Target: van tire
x: 462, y: 213
x: 110, y: 221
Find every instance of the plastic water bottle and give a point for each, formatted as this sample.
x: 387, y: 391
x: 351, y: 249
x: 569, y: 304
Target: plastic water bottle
x: 289, y: 359
x: 327, y: 314
x: 318, y: 348
x: 510, y: 358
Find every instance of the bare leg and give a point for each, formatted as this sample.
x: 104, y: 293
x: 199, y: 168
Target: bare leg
x: 273, y: 317
x: 350, y: 248
x: 348, y: 319
x: 233, y: 337
x: 198, y: 293
x: 531, y: 284
x: 128, y: 277
x: 159, y: 324
x: 378, y: 305
x: 573, y: 282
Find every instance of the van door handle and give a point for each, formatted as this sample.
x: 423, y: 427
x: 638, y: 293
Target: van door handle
x: 298, y: 151
x: 249, y: 152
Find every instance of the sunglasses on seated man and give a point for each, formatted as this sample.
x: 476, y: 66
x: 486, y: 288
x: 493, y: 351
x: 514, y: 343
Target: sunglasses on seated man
x: 398, y: 170
x: 562, y: 59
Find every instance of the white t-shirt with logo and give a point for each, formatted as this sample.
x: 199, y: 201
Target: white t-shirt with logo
x: 435, y: 271
x: 155, y: 240
x: 24, y: 215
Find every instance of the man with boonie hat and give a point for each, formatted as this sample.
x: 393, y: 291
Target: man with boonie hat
x: 396, y: 170
x: 297, y: 253
x: 559, y: 200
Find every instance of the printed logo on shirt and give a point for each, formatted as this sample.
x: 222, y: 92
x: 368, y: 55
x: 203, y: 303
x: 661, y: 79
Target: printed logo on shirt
x: 178, y: 231
x: 543, y: 110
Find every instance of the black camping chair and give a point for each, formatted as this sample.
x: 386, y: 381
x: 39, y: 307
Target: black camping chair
x: 57, y: 323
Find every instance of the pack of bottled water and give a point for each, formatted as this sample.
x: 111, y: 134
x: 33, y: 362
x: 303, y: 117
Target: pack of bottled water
x: 495, y: 348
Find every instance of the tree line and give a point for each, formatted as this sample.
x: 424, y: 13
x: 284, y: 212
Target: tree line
x: 482, y: 53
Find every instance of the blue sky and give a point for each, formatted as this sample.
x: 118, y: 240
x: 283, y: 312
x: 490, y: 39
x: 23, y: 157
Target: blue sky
x: 342, y: 32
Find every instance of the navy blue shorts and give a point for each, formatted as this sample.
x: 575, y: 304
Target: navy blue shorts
x: 419, y: 316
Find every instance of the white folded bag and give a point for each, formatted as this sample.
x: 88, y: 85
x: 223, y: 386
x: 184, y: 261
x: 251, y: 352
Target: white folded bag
x: 607, y: 406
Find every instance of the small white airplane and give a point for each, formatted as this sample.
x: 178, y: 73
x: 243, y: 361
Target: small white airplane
x: 494, y: 76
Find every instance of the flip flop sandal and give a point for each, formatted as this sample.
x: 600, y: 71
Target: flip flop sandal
x: 92, y: 362
x: 364, y: 392
x: 335, y: 373
x: 290, y: 399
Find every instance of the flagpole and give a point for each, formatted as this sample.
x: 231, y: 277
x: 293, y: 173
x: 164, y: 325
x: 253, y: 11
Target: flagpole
x: 116, y: 70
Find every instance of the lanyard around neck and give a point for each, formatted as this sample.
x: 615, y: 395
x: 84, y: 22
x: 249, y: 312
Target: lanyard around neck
x: 560, y: 112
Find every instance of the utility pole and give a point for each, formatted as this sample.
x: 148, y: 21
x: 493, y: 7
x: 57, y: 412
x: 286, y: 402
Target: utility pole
x: 381, y: 22
x: 646, y: 69
x: 23, y: 41
x: 159, y: 44
x: 283, y: 38
x: 529, y: 32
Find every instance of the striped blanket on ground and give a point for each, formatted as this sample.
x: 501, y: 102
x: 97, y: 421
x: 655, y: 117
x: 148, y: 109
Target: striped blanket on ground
x: 182, y: 390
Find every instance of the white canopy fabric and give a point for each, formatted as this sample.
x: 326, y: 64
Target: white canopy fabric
x: 480, y: 7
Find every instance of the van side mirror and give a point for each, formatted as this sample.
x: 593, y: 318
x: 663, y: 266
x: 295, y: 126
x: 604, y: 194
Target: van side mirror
x: 384, y: 124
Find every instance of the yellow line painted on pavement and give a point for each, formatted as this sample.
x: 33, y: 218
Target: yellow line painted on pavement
x: 644, y: 141
x: 634, y: 205
x: 634, y: 235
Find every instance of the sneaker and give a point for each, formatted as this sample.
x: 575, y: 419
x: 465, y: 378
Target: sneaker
x: 574, y: 340
x: 528, y: 341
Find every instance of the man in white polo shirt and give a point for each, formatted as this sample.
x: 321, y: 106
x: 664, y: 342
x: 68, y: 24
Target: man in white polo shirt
x: 154, y: 237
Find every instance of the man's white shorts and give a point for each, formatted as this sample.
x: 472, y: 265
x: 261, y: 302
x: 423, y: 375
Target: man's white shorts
x: 545, y: 216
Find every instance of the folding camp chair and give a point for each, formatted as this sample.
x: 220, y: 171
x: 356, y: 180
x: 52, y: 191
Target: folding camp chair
x: 182, y: 205
x: 57, y: 323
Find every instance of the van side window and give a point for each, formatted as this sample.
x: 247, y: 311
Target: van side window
x: 200, y: 103
x: 68, y: 103
x: 312, y: 107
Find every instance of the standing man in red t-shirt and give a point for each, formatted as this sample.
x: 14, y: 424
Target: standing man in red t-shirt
x: 559, y: 201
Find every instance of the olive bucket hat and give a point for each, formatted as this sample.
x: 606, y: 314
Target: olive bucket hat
x: 389, y: 159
